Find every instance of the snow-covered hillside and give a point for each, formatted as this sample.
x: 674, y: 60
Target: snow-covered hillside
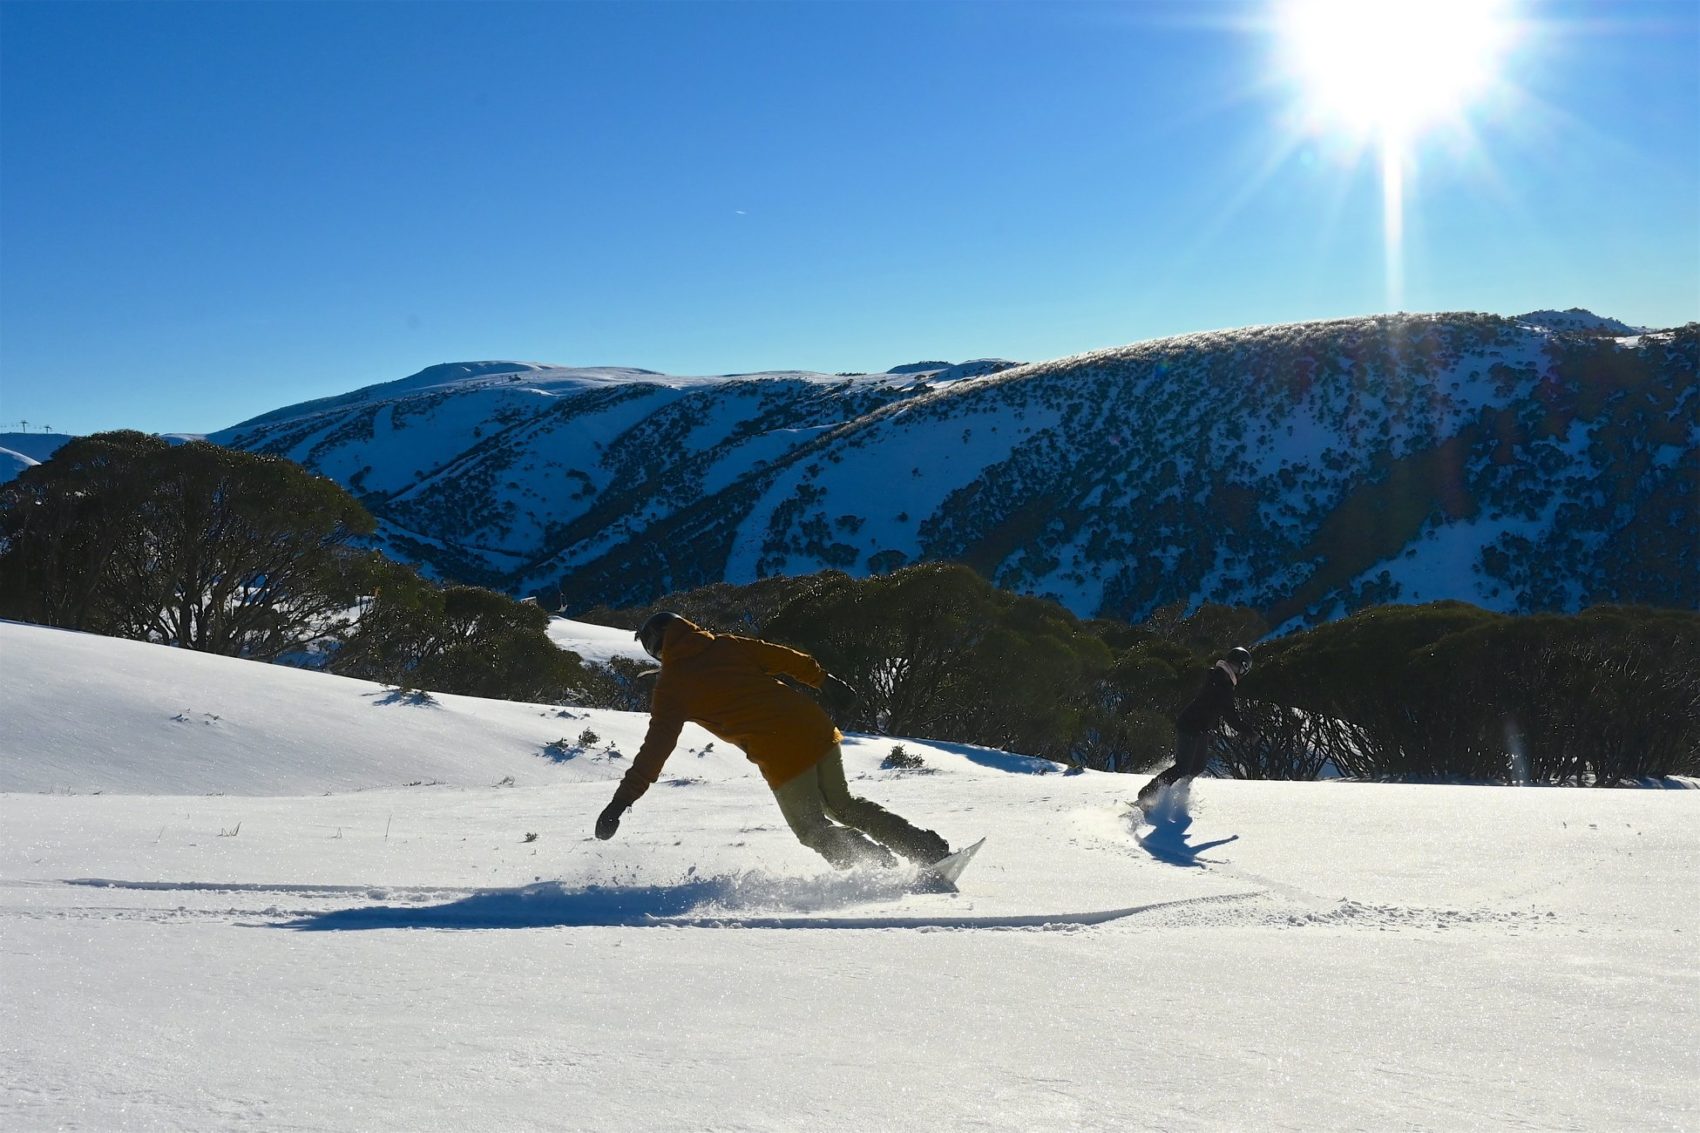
x: 257, y: 922
x: 1303, y: 470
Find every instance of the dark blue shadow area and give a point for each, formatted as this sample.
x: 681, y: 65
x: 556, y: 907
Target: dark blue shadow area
x: 751, y: 902
x: 997, y: 760
x: 417, y: 698
x: 532, y: 906
x: 1167, y: 841
x: 552, y: 905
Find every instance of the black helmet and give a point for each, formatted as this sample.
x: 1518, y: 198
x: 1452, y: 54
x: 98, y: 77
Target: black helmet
x: 1240, y: 659
x: 654, y: 631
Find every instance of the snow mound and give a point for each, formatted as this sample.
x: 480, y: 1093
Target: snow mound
x: 598, y: 644
x: 95, y: 714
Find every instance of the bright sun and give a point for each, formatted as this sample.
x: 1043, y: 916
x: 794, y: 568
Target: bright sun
x: 1384, y: 72
x: 1392, y: 68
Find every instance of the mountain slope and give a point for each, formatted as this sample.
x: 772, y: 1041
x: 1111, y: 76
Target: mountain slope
x: 1303, y: 470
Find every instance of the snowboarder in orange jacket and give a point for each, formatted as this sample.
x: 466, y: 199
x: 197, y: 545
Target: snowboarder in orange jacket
x: 731, y: 686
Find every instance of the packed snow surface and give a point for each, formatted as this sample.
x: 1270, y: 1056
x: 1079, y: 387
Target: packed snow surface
x: 237, y: 896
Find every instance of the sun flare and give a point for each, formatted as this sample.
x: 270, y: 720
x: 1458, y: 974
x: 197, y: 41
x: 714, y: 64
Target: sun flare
x: 1384, y: 72
x: 1391, y: 68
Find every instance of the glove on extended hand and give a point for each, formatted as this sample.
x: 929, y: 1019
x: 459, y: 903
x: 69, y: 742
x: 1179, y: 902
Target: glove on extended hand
x: 609, y: 820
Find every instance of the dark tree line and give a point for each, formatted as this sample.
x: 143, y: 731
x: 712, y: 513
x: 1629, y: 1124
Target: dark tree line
x: 1441, y: 691
x: 192, y: 545
x: 1451, y: 691
x: 935, y: 650
x: 223, y: 551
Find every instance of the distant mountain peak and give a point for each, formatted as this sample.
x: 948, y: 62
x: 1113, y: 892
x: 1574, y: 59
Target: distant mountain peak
x: 456, y: 371
x: 950, y: 371
x: 1578, y: 319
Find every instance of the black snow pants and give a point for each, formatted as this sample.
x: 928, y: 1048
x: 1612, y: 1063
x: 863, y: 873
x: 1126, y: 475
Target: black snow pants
x: 1192, y: 756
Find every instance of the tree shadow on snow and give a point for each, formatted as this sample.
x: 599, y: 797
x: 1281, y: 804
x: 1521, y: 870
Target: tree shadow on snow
x: 998, y: 760
x: 417, y: 698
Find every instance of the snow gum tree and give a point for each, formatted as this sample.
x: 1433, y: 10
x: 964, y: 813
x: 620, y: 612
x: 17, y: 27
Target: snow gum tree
x: 192, y: 545
x: 1448, y: 690
x: 458, y: 639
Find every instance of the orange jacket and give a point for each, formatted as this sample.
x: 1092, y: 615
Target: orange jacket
x: 730, y: 685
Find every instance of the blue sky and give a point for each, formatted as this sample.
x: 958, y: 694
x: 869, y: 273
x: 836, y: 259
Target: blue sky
x: 212, y: 210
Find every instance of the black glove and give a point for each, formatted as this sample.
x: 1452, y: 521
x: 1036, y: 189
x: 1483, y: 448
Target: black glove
x: 839, y: 695
x: 609, y: 820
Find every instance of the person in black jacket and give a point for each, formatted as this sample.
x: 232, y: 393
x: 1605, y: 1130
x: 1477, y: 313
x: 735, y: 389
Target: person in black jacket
x: 1213, y: 704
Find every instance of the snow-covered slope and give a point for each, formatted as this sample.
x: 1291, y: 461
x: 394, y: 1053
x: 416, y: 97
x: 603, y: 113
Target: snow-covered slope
x: 466, y: 956
x: 1302, y: 470
x: 172, y: 721
x: 12, y: 463
x: 36, y: 447
x: 597, y: 643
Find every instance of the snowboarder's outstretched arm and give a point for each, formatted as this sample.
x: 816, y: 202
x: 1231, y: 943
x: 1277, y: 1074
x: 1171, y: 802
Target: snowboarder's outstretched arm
x: 658, y: 743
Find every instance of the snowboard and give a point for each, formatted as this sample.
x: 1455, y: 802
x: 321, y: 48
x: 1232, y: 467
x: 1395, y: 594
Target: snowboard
x: 1169, y: 803
x: 1142, y: 811
x: 940, y: 877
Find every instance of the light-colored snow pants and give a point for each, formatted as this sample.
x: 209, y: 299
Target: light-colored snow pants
x: 813, y: 799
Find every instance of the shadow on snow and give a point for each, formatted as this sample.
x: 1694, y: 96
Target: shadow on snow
x: 751, y: 900
x: 417, y: 698
x: 991, y: 757
x: 1167, y: 840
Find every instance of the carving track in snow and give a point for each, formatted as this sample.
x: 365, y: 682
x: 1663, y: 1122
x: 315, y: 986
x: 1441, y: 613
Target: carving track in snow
x: 765, y: 903
x: 749, y: 901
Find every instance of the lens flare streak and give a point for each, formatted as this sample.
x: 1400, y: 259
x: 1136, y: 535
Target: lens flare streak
x: 1383, y: 73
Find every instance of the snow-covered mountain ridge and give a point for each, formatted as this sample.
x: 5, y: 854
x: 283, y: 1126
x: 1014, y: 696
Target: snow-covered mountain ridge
x: 1302, y: 469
